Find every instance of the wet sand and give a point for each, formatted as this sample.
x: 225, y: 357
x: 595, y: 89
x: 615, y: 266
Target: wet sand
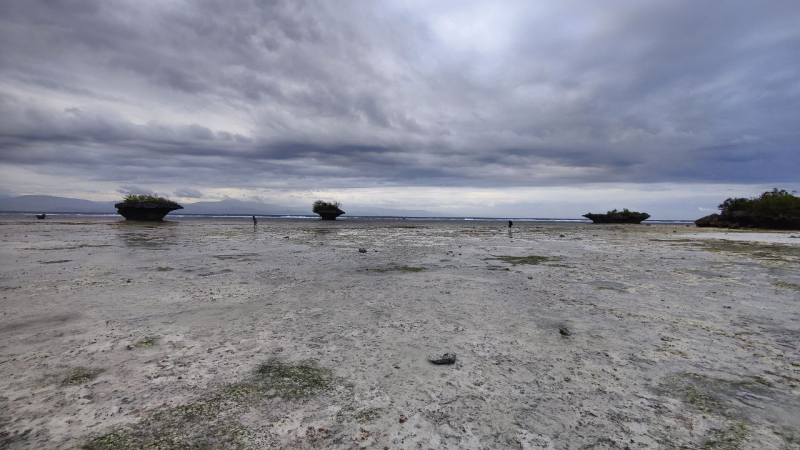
x: 204, y: 331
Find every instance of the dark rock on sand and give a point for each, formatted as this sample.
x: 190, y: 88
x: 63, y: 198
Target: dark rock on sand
x: 362, y: 250
x: 146, y: 211
x: 711, y: 220
x: 564, y: 330
x: 442, y: 358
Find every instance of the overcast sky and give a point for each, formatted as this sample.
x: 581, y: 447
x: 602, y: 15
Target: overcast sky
x: 459, y: 107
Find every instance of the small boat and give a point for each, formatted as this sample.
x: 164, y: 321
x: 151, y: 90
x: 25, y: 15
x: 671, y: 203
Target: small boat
x: 41, y: 216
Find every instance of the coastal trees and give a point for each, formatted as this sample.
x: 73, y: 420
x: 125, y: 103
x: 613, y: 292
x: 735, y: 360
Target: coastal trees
x: 778, y: 209
x: 771, y: 203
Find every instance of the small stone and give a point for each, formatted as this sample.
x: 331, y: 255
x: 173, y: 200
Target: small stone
x: 561, y: 235
x: 362, y: 250
x: 530, y: 277
x: 564, y: 330
x: 442, y: 358
x: 403, y: 419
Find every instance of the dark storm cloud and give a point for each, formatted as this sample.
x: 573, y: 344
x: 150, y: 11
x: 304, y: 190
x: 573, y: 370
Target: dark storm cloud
x: 313, y: 94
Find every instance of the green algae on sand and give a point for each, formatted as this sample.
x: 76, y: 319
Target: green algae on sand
x: 212, y: 420
x: 528, y: 260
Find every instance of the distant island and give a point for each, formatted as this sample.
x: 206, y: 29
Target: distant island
x: 149, y: 208
x: 614, y: 216
x: 776, y: 209
x: 327, y: 210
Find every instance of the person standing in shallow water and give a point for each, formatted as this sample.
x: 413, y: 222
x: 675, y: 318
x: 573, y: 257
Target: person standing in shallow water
x: 510, y: 224
x: 255, y: 222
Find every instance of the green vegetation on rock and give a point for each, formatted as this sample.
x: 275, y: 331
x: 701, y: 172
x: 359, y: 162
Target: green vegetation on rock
x: 321, y: 205
x: 133, y: 198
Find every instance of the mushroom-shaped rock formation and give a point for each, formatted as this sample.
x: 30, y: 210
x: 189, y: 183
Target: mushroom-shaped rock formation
x: 615, y: 216
x: 151, y: 209
x: 327, y: 210
x: 329, y: 214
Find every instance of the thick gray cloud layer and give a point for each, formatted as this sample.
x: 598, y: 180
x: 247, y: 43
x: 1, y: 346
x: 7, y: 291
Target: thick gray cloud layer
x: 304, y: 94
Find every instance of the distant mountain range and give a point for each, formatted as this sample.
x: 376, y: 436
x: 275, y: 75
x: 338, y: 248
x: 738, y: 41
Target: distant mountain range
x: 51, y: 204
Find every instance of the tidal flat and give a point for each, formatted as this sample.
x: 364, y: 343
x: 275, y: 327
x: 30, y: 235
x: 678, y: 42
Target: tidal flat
x: 205, y: 333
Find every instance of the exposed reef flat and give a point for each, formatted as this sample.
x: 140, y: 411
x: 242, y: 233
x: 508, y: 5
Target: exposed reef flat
x: 204, y: 332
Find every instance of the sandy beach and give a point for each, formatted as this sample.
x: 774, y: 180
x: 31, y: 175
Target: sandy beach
x: 204, y: 332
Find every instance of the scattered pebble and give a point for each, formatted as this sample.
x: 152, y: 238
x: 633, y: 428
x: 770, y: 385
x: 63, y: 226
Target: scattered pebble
x: 362, y: 250
x: 564, y: 330
x: 442, y: 358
